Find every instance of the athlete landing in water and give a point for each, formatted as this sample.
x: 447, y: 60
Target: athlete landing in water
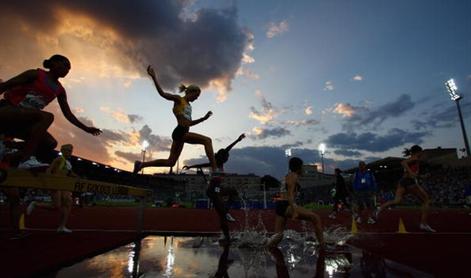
x: 217, y: 192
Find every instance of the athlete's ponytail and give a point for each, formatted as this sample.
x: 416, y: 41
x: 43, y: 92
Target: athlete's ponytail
x: 189, y: 88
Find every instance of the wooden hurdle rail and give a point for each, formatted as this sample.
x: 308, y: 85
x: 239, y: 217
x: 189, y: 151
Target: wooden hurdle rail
x: 16, y: 178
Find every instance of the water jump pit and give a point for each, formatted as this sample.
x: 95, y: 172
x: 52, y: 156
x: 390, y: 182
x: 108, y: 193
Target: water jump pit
x: 298, y: 255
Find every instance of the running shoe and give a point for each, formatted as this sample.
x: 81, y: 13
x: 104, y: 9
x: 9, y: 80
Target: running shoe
x: 332, y: 216
x: 137, y: 167
x: 63, y: 229
x: 30, y: 207
x: 371, y: 220
x: 427, y: 228
x: 230, y: 218
x: 32, y: 162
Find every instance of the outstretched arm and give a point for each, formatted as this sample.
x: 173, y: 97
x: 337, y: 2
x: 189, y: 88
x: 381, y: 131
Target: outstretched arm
x: 23, y: 78
x: 203, y: 165
x: 64, y: 105
x: 195, y: 122
x: 242, y: 136
x: 172, y: 97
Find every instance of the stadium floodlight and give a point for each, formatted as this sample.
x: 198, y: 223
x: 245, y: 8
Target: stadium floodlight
x: 322, y: 148
x: 144, y: 146
x: 453, y: 92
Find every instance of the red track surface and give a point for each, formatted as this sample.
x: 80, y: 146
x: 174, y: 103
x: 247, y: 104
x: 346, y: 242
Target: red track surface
x: 444, y: 254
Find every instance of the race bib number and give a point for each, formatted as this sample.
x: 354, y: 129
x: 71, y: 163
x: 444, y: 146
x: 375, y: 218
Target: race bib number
x: 33, y: 102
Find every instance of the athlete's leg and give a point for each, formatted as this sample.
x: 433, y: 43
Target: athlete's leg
x: 28, y: 124
x: 308, y: 215
x: 45, y: 151
x: 175, y: 151
x: 13, y: 197
x: 195, y: 138
x: 220, y: 210
x: 275, y: 239
x: 418, y: 191
x: 66, y: 206
x: 397, y: 198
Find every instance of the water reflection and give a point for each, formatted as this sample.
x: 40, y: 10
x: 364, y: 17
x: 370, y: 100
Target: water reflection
x: 204, y: 257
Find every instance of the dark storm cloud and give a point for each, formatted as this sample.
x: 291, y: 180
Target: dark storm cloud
x: 276, y: 132
x: 373, y: 117
x: 292, y: 145
x: 372, y: 142
x: 443, y: 115
x: 134, y: 118
x: 272, y: 161
x: 197, y: 48
x: 86, y: 145
x: 347, y: 152
x: 156, y: 142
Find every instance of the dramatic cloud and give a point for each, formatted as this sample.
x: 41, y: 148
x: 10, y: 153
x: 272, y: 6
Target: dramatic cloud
x: 272, y: 161
x: 134, y: 118
x: 345, y: 109
x: 263, y: 133
x: 118, y: 38
x: 329, y: 86
x: 97, y: 148
x: 373, y: 142
x: 276, y: 29
x: 309, y: 122
x: 156, y: 142
x: 443, y: 117
x: 267, y: 113
x: 118, y: 115
x: 357, y: 78
x: 348, y: 153
x: 293, y: 145
x: 366, y: 118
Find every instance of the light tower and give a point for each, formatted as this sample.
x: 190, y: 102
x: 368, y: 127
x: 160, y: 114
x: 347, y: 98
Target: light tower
x: 322, y: 152
x: 144, y: 146
x: 453, y: 92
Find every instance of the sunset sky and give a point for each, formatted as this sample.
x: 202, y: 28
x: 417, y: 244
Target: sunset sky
x: 364, y: 77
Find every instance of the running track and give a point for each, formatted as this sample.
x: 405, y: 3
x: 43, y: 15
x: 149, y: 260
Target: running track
x: 98, y: 229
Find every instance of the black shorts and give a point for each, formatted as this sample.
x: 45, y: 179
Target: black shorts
x: 407, y: 182
x: 280, y: 207
x: 179, y: 132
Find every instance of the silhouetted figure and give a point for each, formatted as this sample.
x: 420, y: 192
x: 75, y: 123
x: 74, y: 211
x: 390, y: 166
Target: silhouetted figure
x: 181, y: 134
x: 286, y: 206
x: 409, y: 184
x: 61, y: 200
x: 341, y: 194
x: 216, y: 192
x: 21, y: 109
x: 364, y: 191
